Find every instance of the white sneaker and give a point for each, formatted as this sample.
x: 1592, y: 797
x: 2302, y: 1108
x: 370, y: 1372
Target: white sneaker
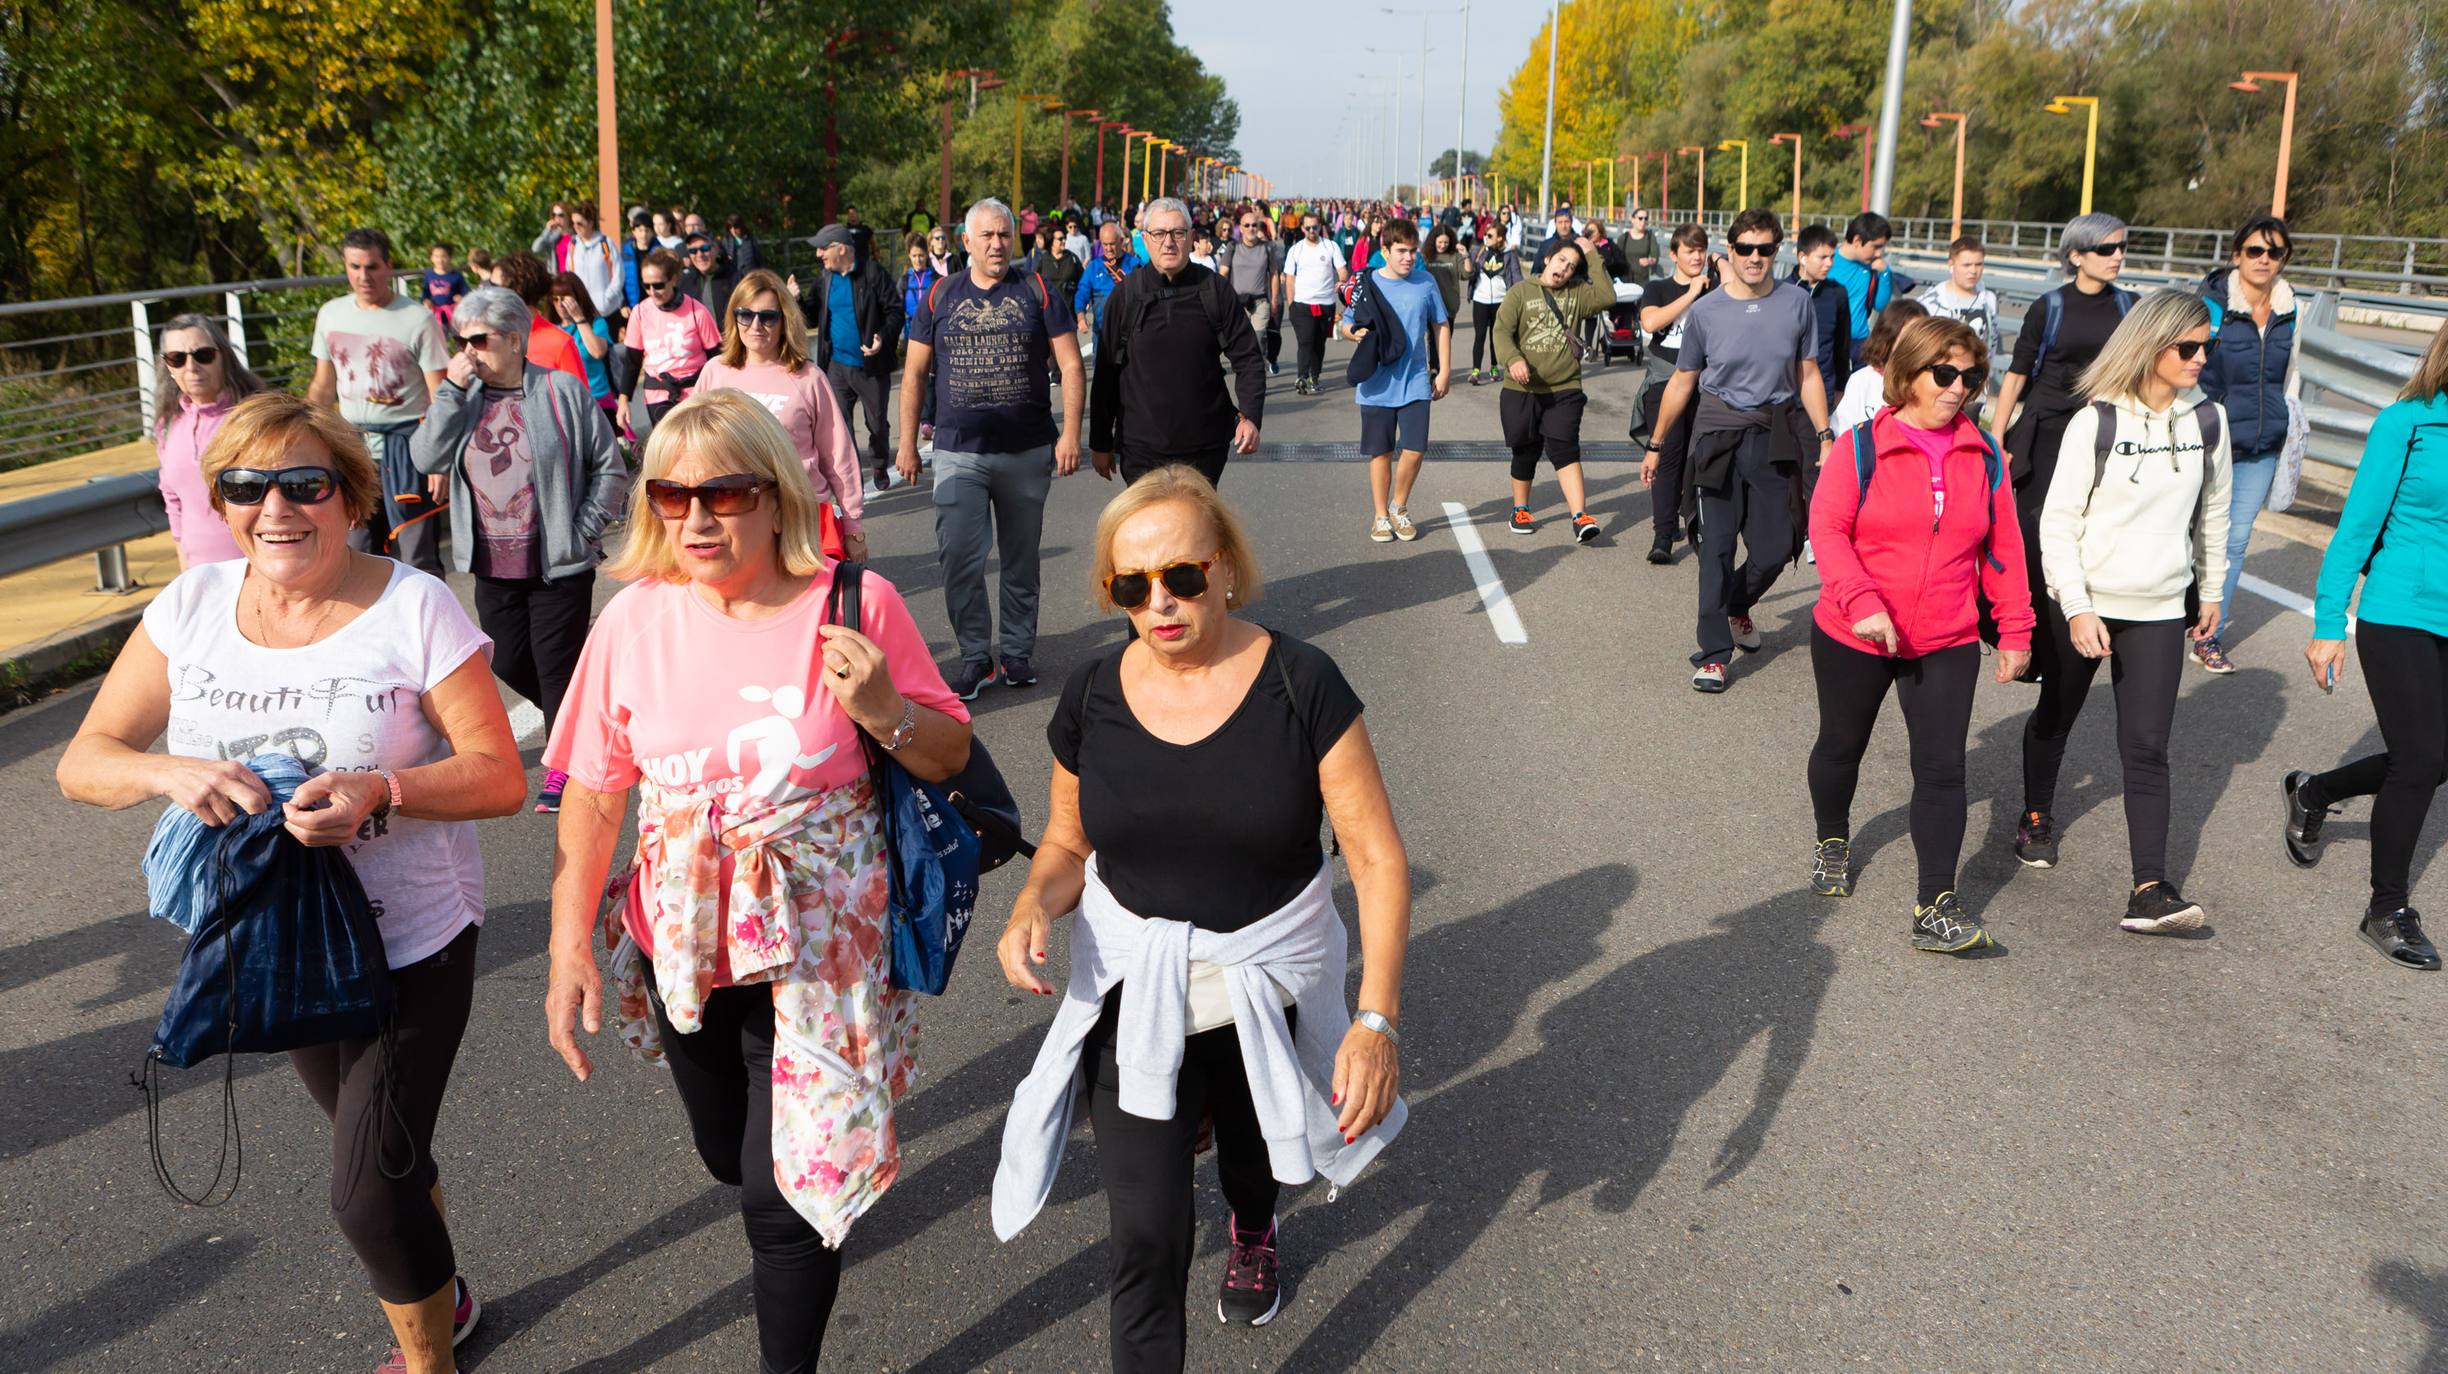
x: 1382, y: 530
x: 1746, y: 634
x: 1404, y: 530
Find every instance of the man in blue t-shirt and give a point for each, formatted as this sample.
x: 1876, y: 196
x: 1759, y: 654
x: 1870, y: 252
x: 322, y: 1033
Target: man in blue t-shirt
x: 1114, y: 262
x: 1394, y: 398
x: 1867, y: 286
x: 986, y: 335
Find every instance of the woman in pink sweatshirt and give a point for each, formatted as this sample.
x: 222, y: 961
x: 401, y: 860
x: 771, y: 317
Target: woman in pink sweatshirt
x: 1910, y: 538
x: 766, y: 354
x: 199, y: 380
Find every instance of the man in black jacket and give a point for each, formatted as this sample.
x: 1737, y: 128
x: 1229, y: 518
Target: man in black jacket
x: 1158, y: 396
x: 854, y: 318
x: 706, y: 277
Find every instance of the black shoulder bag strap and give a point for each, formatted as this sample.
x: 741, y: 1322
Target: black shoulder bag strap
x: 1572, y: 341
x: 1283, y: 674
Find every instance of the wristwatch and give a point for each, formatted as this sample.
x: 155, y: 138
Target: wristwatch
x: 1653, y: 448
x: 904, y: 731
x: 1378, y: 1024
x: 1827, y: 436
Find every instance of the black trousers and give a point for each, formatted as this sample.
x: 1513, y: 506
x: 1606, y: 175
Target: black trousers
x: 392, y: 1223
x: 1670, y: 496
x: 2146, y: 661
x: 723, y: 1072
x: 1535, y: 423
x: 1756, y: 506
x: 1935, y: 692
x: 1210, y: 463
x: 1483, y: 336
x: 538, y: 625
x: 1148, y: 1185
x: 2406, y: 671
x: 1310, y: 331
x: 856, y: 386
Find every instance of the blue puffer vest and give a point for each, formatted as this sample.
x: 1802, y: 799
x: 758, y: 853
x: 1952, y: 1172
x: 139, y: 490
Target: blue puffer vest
x: 2248, y: 373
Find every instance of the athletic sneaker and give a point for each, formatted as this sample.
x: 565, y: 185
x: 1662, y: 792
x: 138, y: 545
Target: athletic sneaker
x: 2035, y: 841
x: 1661, y: 549
x: 1404, y: 530
x: 1523, y: 522
x: 463, y: 1323
x: 2303, y: 823
x: 548, y: 801
x: 1944, y: 927
x: 973, y: 678
x: 1709, y: 677
x: 1832, y: 868
x: 1746, y: 634
x: 1585, y: 527
x: 884, y: 475
x: 2398, y: 935
x: 2160, y: 909
x: 1381, y: 530
x: 1478, y: 378
x: 1275, y: 368
x: 2211, y: 657
x: 1251, y: 1294
x: 1017, y: 672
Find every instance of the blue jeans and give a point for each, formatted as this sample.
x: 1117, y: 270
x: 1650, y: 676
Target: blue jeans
x: 2253, y: 474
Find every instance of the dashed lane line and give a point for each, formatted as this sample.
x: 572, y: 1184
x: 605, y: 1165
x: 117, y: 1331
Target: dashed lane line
x: 1492, y: 593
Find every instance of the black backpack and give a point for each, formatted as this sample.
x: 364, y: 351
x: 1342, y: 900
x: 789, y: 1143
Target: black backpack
x: 1216, y: 302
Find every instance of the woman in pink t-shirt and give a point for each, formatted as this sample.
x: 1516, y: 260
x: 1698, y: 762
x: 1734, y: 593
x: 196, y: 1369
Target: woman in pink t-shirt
x: 765, y: 354
x: 200, y: 380
x: 1906, y: 555
x: 753, y: 957
x: 671, y: 333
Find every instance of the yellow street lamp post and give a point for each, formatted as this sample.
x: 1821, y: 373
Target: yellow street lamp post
x: 1745, y: 145
x: 2064, y: 105
x: 1932, y: 120
x: 2250, y: 85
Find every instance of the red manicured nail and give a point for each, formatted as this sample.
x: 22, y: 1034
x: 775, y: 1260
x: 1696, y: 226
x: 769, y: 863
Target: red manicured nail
x: 1338, y: 1099
x: 1349, y: 1139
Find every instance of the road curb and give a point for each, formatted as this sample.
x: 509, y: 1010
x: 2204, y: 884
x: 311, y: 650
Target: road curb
x: 46, y: 656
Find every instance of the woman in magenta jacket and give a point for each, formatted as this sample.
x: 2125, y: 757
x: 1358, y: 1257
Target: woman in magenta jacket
x: 1908, y: 543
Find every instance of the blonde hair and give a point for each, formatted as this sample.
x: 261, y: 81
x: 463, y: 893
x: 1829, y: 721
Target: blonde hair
x: 1921, y: 343
x: 1182, y: 483
x: 259, y: 430
x: 794, y: 349
x: 2125, y: 361
x: 727, y: 431
x: 2431, y: 374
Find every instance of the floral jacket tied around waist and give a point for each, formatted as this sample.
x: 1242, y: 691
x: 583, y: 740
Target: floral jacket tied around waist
x: 793, y: 896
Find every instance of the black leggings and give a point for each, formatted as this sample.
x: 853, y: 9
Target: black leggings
x: 538, y: 625
x: 1935, y: 691
x: 2146, y: 659
x: 1310, y: 332
x: 1670, y: 497
x: 2406, y: 671
x: 1147, y: 1168
x: 1483, y: 325
x: 392, y: 1223
x: 724, y: 1073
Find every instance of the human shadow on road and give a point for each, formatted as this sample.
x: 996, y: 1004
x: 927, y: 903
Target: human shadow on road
x: 2424, y: 1294
x: 126, y: 1302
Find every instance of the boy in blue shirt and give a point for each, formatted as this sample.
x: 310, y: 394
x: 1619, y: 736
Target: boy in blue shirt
x: 1394, y: 398
x: 1867, y: 286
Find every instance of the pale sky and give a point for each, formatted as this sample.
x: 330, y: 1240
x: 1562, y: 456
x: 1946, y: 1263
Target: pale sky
x: 1305, y: 116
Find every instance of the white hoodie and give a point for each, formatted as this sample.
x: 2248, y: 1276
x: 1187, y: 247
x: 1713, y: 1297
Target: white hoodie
x: 2125, y: 544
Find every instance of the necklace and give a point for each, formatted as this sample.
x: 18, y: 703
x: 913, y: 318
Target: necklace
x: 263, y: 635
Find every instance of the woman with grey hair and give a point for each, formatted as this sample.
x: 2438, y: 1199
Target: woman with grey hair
x: 197, y: 380
x: 535, y: 475
x: 2062, y: 332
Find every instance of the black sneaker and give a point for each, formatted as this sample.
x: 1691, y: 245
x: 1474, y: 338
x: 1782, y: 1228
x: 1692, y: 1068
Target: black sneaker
x: 1661, y: 549
x: 1018, y: 673
x: 1250, y: 1295
x: 2303, y: 823
x: 973, y: 678
x: 2160, y: 909
x: 2398, y: 935
x: 1944, y: 927
x: 1832, y: 869
x: 2036, y: 840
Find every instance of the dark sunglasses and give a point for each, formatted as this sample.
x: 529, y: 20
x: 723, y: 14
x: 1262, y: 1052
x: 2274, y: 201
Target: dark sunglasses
x: 732, y: 495
x: 1948, y: 374
x: 474, y: 340
x: 654, y: 285
x: 2109, y: 250
x: 770, y: 319
x: 1752, y: 250
x: 1186, y: 580
x: 298, y: 486
x: 2251, y: 250
x: 701, y: 252
x: 204, y: 357
x: 2186, y: 348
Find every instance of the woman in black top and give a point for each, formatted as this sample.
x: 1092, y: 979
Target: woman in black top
x: 2046, y: 380
x: 1195, y: 763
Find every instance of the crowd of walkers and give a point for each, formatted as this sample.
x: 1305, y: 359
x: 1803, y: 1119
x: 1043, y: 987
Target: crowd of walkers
x: 675, y: 409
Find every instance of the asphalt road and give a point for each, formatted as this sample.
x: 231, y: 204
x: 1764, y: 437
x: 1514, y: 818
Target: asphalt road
x: 1670, y: 1110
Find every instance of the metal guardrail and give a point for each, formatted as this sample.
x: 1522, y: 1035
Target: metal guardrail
x: 101, y: 518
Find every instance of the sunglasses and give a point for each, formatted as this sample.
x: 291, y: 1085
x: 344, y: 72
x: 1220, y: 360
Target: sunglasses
x: 757, y: 319
x: 701, y: 252
x: 474, y: 340
x: 732, y: 495
x: 656, y: 286
x: 298, y: 486
x: 204, y: 357
x: 2255, y: 251
x: 1186, y: 580
x: 2109, y: 250
x: 1752, y: 250
x: 2187, y: 348
x: 1947, y: 375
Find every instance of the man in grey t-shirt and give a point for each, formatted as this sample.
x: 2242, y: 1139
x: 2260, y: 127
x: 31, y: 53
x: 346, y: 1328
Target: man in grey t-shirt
x: 1749, y: 364
x: 1253, y: 264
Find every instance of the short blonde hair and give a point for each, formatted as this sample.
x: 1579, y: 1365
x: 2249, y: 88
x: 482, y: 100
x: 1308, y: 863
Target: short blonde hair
x: 2161, y: 319
x: 794, y: 350
x: 1921, y: 343
x: 259, y: 430
x: 728, y: 431
x: 1185, y: 484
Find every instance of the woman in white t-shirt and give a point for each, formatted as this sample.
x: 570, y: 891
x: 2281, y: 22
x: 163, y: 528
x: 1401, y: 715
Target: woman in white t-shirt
x: 372, y: 675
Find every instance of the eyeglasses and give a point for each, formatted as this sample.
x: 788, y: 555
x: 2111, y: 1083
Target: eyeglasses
x: 732, y: 495
x: 1309, y: 229
x: 474, y: 340
x: 1947, y: 375
x: 654, y: 284
x: 2186, y: 348
x: 2255, y: 251
x: 2109, y: 250
x: 1166, y: 233
x: 202, y: 357
x: 1753, y: 250
x: 1186, y: 580
x: 298, y: 486
x: 757, y: 319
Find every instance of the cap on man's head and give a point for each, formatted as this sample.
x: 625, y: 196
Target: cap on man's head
x: 835, y: 235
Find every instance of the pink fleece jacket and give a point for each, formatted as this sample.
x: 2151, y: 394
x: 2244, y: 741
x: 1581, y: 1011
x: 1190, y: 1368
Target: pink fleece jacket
x: 1880, y: 550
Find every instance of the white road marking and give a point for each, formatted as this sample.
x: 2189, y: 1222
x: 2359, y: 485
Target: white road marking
x: 526, y: 722
x: 2268, y: 590
x: 1492, y: 591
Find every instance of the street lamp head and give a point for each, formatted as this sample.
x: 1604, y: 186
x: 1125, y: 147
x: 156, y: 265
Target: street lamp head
x: 2058, y: 107
x: 2248, y: 86
x: 1930, y: 121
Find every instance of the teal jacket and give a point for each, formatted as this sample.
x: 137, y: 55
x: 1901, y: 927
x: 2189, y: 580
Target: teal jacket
x: 2394, y: 532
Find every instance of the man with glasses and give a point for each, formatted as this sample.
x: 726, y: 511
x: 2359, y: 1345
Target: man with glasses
x: 706, y: 278
x: 1748, y: 351
x: 379, y: 356
x: 1313, y: 271
x: 986, y: 335
x: 1114, y: 262
x: 1253, y: 265
x: 852, y: 314
x: 1158, y: 397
